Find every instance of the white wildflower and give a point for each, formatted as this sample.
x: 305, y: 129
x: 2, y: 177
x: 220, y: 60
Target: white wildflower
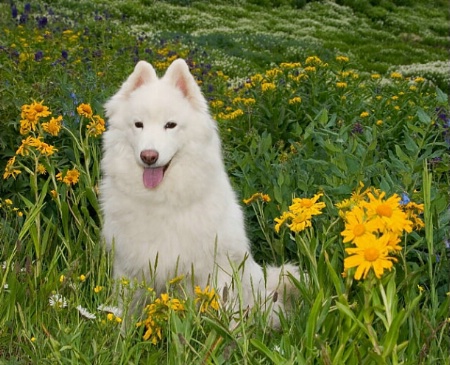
x: 110, y: 309
x: 57, y: 301
x: 85, y: 313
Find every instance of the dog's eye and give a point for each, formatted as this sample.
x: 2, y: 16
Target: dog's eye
x: 170, y: 125
x: 139, y: 125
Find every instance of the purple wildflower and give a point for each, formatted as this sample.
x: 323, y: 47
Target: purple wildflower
x: 42, y: 22
x: 14, y: 11
x: 38, y: 56
x: 358, y: 128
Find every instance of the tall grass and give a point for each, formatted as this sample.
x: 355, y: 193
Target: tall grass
x: 315, y: 125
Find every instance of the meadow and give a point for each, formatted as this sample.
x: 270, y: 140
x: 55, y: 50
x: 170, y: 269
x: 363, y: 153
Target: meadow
x: 335, y: 123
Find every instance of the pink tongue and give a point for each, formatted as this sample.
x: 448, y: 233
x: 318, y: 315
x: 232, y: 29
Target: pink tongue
x: 153, y: 176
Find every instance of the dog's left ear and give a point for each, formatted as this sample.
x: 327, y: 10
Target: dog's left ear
x: 178, y: 75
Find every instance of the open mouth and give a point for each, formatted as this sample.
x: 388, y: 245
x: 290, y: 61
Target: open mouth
x: 153, y: 176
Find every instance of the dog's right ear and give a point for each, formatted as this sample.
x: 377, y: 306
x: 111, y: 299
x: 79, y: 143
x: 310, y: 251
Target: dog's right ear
x: 143, y: 73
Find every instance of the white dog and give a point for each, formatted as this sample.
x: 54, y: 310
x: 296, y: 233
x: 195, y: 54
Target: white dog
x: 168, y: 205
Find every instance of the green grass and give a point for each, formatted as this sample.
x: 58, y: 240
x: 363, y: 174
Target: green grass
x: 356, y: 121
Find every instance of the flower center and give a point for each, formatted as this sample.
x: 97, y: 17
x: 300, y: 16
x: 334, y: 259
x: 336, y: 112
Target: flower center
x: 359, y: 229
x: 384, y: 210
x: 371, y: 254
x: 307, y: 204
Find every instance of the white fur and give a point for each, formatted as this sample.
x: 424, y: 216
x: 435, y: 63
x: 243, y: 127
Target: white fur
x: 191, y: 220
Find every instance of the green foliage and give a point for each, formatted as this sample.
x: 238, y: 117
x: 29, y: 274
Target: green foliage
x: 295, y: 118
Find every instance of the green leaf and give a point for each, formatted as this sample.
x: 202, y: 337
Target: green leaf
x: 322, y: 117
x: 344, y: 309
x: 332, y: 147
x: 441, y: 97
x: 410, y: 144
x: 338, y: 284
x: 401, y: 155
x: 274, y: 356
x: 423, y: 116
x: 390, y: 340
x: 310, y: 330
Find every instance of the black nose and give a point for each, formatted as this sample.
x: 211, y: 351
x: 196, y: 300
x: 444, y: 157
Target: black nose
x: 149, y: 156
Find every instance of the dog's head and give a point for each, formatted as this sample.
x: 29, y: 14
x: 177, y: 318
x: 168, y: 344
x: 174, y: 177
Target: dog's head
x: 159, y: 119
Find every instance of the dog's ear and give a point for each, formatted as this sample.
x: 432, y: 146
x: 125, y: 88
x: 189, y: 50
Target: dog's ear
x: 178, y: 75
x: 143, y: 74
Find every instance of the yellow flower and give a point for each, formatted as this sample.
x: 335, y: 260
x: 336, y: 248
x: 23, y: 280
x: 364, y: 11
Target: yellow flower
x: 371, y: 253
x: 84, y: 110
x: 41, y: 169
x: 98, y: 289
x: 26, y: 127
x: 206, y: 298
x: 375, y: 76
x: 30, y: 114
x: 393, y: 240
x: 364, y: 114
x: 412, y: 211
x: 268, y: 86
x: 96, y: 127
x: 222, y: 75
x: 357, y: 227
x: 290, y: 65
x: 341, y: 85
x: 233, y: 115
x: 295, y: 100
x: 245, y: 101
x: 217, y: 104
x: 46, y: 149
x: 10, y: 170
x: 313, y: 60
x: 256, y: 78
x: 298, y: 78
x: 8, y: 201
x: 53, y: 126
x: 264, y: 197
x: 273, y: 73
x: 310, y: 69
x: 387, y: 213
x: 42, y: 147
x: 158, y: 316
x: 419, y: 79
x: 110, y: 317
x: 62, y: 278
x: 35, y: 111
x: 310, y: 206
x: 70, y: 178
x: 379, y: 122
x: 396, y: 75
x: 280, y: 221
x: 300, y: 222
x: 300, y: 213
x: 82, y: 278
x: 342, y: 59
